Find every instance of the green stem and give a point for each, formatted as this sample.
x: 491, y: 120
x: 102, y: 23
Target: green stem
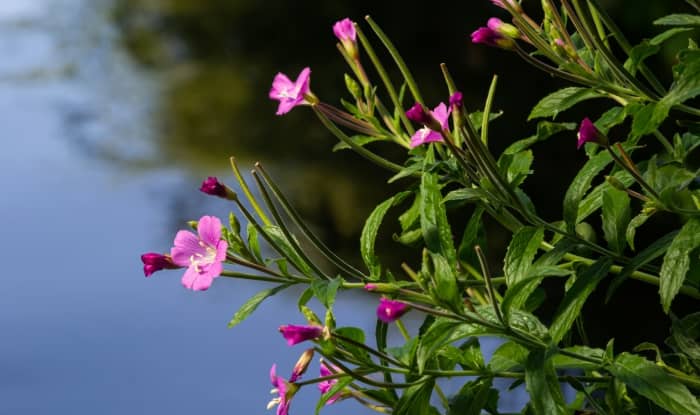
x: 247, y: 192
x: 380, y: 161
x: 412, y: 86
x: 296, y: 217
x: 240, y: 275
x: 385, y: 79
x: 280, y: 223
x: 487, y: 111
x: 369, y: 349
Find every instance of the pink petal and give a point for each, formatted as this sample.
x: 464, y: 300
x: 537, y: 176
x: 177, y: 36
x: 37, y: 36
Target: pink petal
x: 209, y: 228
x: 301, y: 86
x: 279, y: 84
x: 186, y: 244
x: 442, y: 114
x: 273, y: 374
x: 424, y: 135
x: 221, y: 248
x: 189, y: 278
x: 202, y: 282
x: 286, y: 105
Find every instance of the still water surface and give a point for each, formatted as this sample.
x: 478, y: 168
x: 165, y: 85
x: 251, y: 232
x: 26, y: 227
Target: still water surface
x: 82, y: 331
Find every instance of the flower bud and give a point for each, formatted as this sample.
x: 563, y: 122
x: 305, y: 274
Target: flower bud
x: 212, y: 186
x: 389, y: 311
x: 513, y: 3
x: 301, y: 365
x: 297, y: 334
x: 490, y: 37
x: 588, y: 133
x: 380, y: 287
x: 344, y: 30
x: 505, y: 29
x: 419, y: 114
x: 456, y: 100
x: 153, y: 262
x: 353, y: 87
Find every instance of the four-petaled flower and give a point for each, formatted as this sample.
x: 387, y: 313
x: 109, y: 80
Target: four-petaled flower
x: 588, y: 133
x: 290, y: 94
x: 202, y: 254
x: 153, y: 262
x: 212, y: 186
x: 441, y: 114
x: 297, y: 334
x: 344, y: 30
x: 389, y: 311
x: 326, y: 385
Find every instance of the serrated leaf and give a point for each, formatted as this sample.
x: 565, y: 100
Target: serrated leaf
x: 326, y: 290
x: 474, y: 234
x: 687, y: 79
x: 518, y: 293
x: 433, y: 339
x: 543, y: 386
x: 464, y: 195
x: 615, y: 216
x: 677, y: 262
x: 521, y: 252
x: 477, y: 118
x: 611, y: 118
x: 594, y: 199
x: 647, y: 118
x: 561, y: 100
x: 369, y: 236
x: 685, y: 337
x: 576, y: 296
x: 678, y: 19
x: 652, y: 382
x: 508, y: 356
x: 446, y: 289
x: 580, y: 185
x: 436, y: 230
x: 253, y: 243
x: 279, y: 238
x: 253, y: 302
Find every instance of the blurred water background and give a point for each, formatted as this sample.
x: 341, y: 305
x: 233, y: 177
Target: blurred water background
x: 112, y: 112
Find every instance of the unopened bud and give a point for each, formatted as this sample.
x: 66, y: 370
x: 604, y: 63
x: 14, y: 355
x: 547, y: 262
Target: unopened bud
x: 353, y: 87
x: 301, y: 365
x: 380, y: 287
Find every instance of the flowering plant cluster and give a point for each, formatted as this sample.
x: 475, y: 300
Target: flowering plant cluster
x: 647, y: 168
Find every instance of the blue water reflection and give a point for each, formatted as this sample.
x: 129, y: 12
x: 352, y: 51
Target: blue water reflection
x: 82, y: 331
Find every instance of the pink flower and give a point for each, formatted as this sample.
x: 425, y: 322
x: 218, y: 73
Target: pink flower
x: 427, y: 135
x: 282, y: 388
x: 389, y: 311
x: 153, y: 262
x: 326, y: 385
x: 202, y: 255
x: 297, y: 334
x: 212, y: 186
x: 344, y: 30
x: 491, y: 37
x: 290, y: 94
x: 588, y: 133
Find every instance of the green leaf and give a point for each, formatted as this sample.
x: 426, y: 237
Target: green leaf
x: 647, y: 255
x: 518, y: 293
x: 415, y: 399
x: 636, y: 222
x: 616, y: 216
x: 565, y: 362
x: 517, y: 166
x: 542, y: 385
x: 358, y: 336
x: 471, y: 398
x: 611, y: 118
x: 580, y: 185
x: 521, y: 252
x: 677, y: 261
x: 508, y: 356
x: 279, y: 238
x: 253, y: 302
x: 685, y: 337
x: 438, y: 335
x: 446, y: 289
x: 594, y: 200
x: 652, y: 382
x: 560, y: 100
x: 477, y: 118
x: 647, y: 118
x: 678, y: 20
x: 687, y: 79
x: 436, y: 230
x: 253, y: 242
x: 326, y: 290
x: 369, y: 236
x: 576, y: 296
x: 650, y: 47
x: 464, y: 195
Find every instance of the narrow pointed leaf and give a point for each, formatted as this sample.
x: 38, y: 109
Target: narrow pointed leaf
x: 677, y: 261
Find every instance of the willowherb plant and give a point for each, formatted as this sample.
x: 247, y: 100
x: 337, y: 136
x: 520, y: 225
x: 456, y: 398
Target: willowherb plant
x: 449, y: 165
